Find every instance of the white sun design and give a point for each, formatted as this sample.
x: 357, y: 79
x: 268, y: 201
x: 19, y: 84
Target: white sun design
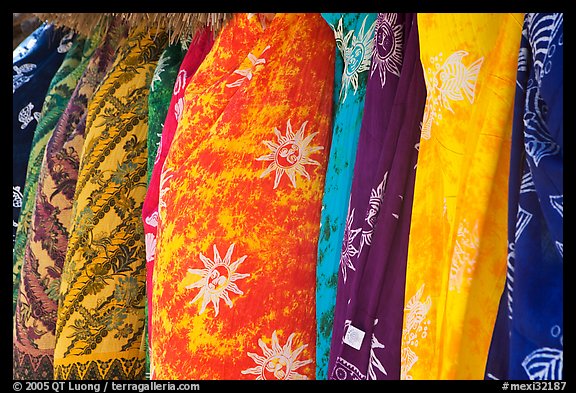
x: 356, y: 54
x: 348, y: 249
x: 278, y: 362
x: 216, y: 279
x: 290, y: 154
x: 387, y: 48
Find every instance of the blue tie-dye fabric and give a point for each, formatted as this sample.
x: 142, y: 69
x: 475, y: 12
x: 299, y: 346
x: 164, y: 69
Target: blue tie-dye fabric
x: 528, y: 337
x: 354, y: 34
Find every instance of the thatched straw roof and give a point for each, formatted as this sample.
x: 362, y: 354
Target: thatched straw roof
x: 179, y: 25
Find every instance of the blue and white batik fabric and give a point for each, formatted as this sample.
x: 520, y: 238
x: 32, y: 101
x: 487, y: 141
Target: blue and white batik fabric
x: 528, y: 336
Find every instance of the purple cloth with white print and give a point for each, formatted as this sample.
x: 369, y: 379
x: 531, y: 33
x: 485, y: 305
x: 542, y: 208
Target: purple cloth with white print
x: 366, y: 339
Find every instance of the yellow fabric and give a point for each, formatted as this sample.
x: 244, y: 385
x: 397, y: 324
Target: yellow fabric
x: 457, y: 250
x: 99, y: 333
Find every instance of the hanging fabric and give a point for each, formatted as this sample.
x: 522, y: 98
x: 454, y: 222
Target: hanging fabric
x: 101, y: 321
x: 368, y: 317
x: 239, y: 208
x: 528, y: 337
x: 354, y: 35
x: 57, y: 97
x: 34, y: 334
x: 457, y: 247
x: 194, y: 53
x: 35, y: 63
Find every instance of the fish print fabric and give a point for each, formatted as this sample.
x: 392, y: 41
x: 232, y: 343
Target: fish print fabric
x: 457, y: 247
x: 369, y: 305
x: 354, y: 35
x: 529, y: 333
x: 35, y: 62
x: 101, y: 320
x: 239, y: 208
x: 34, y: 332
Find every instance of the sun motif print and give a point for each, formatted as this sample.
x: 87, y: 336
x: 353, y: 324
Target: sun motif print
x: 348, y: 249
x: 290, y: 154
x: 278, y: 362
x: 451, y: 81
x: 387, y: 47
x: 216, y: 279
x: 356, y: 51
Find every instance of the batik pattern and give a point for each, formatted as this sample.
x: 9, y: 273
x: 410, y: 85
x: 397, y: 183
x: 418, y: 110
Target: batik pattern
x: 528, y: 338
x: 194, y: 53
x: 59, y: 92
x: 354, y: 34
x: 100, y: 326
x: 239, y: 207
x: 369, y: 303
x: 47, y: 241
x: 457, y: 250
x: 35, y: 62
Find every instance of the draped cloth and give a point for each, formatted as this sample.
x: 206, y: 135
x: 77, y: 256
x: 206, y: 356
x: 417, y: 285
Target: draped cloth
x: 528, y: 336
x: 368, y: 318
x: 160, y: 95
x: 354, y: 35
x: 191, y: 56
x: 239, y: 207
x: 457, y: 247
x: 158, y: 103
x: 34, y: 334
x: 35, y: 63
x: 100, y: 325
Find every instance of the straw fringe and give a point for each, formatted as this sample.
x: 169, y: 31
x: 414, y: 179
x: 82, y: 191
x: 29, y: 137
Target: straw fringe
x: 178, y: 25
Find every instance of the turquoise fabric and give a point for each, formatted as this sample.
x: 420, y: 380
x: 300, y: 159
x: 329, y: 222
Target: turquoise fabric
x: 354, y: 34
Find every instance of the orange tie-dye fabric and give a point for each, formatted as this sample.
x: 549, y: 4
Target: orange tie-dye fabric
x: 458, y: 236
x: 239, y: 210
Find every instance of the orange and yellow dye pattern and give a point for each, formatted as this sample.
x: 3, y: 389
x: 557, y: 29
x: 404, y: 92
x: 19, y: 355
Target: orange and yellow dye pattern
x: 239, y: 210
x: 458, y: 238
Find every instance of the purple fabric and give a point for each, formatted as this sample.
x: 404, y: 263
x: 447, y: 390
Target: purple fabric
x: 370, y: 297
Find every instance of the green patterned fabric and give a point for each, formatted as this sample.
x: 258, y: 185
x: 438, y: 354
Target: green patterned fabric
x: 161, y: 90
x: 61, y: 88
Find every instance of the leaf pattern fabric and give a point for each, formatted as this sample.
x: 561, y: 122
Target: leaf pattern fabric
x: 36, y: 61
x: 79, y: 50
x: 101, y: 321
x: 36, y: 311
x: 527, y: 342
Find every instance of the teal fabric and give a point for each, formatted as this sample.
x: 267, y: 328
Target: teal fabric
x: 354, y: 34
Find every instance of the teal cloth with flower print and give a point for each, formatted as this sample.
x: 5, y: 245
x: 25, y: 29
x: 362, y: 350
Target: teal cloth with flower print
x: 354, y: 34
